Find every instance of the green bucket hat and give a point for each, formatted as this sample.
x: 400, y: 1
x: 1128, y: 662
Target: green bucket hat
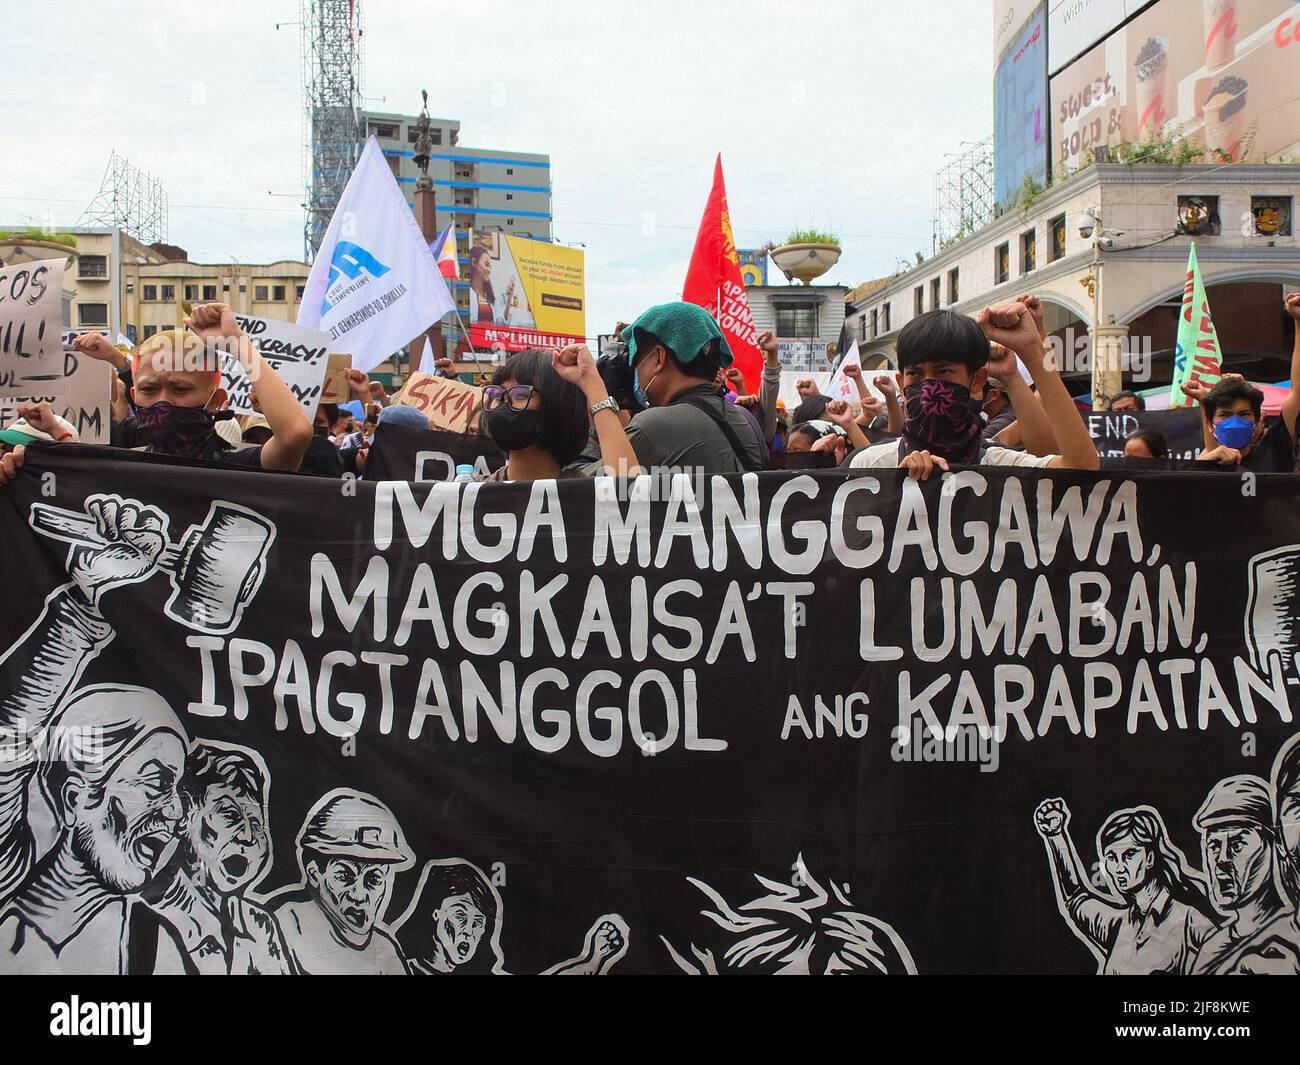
x: 684, y: 328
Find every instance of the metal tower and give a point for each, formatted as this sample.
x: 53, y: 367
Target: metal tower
x: 129, y: 199
x: 964, y: 197
x: 331, y: 84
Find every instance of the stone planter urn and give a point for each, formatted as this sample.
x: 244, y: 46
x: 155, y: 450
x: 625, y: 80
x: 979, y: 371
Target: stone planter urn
x: 805, y: 262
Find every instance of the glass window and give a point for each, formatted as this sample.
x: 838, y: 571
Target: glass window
x: 209, y: 293
x: 887, y: 317
x: 1272, y: 215
x: 1001, y: 264
x: 918, y: 299
x: 261, y: 293
x: 167, y: 292
x: 1057, y: 250
x: 954, y: 286
x: 149, y: 331
x: 150, y: 293
x: 796, y: 319
x: 277, y: 293
x: 1028, y: 251
x: 191, y: 293
x: 92, y: 266
x: 934, y: 294
x: 875, y: 324
x: 92, y: 314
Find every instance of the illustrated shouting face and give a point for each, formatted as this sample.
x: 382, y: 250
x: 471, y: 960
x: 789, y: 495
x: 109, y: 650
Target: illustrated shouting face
x: 458, y: 926
x: 352, y: 893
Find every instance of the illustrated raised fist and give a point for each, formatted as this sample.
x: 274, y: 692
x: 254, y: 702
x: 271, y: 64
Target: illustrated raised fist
x: 1051, y: 817
x: 134, y: 537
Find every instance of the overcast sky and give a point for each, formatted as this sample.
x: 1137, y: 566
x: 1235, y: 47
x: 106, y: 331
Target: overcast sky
x: 829, y: 114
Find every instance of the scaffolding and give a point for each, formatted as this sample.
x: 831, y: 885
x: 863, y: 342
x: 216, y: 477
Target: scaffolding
x: 130, y: 200
x: 331, y: 84
x: 964, y: 197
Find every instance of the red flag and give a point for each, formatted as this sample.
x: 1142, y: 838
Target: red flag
x: 714, y: 282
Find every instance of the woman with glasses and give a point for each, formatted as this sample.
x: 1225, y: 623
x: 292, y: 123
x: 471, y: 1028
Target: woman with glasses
x: 538, y: 409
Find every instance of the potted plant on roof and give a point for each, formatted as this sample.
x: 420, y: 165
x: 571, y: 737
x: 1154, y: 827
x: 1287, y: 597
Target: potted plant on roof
x: 807, y: 254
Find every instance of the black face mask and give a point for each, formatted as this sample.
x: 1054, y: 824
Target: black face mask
x: 512, y: 430
x: 181, y: 431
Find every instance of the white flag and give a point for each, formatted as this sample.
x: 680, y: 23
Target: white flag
x: 842, y: 386
x: 374, y: 286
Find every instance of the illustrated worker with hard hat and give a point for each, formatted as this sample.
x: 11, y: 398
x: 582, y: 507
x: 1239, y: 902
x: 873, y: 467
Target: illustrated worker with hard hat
x: 349, y: 848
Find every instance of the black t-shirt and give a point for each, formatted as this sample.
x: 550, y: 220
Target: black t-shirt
x: 322, y: 458
x: 1275, y: 453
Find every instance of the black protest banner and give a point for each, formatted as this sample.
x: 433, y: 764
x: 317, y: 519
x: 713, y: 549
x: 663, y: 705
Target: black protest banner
x: 1181, y: 428
x: 408, y: 453
x: 757, y: 724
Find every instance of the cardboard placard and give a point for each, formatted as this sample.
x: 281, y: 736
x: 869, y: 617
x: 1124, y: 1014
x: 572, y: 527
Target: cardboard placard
x: 336, y: 388
x: 31, y: 326
x: 81, y: 396
x: 448, y: 404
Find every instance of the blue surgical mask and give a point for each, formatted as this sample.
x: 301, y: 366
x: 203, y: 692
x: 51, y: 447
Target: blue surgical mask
x: 1235, y: 432
x: 637, y: 390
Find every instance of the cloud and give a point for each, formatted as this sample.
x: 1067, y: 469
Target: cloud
x: 832, y: 114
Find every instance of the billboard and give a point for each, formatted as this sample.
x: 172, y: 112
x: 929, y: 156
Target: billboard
x: 524, y: 293
x: 753, y: 266
x: 1227, y: 80
x: 1074, y: 26
x: 1020, y: 135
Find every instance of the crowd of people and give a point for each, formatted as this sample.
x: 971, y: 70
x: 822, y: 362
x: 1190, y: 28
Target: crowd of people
x: 669, y: 397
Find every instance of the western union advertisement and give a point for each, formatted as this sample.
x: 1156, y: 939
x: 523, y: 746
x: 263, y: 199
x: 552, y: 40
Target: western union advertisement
x: 524, y: 293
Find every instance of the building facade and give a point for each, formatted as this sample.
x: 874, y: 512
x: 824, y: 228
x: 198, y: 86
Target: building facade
x: 155, y: 293
x: 806, y: 319
x: 1240, y: 217
x: 475, y: 188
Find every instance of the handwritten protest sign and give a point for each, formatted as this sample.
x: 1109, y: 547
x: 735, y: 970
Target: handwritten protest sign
x: 31, y: 314
x: 81, y: 396
x: 449, y: 404
x: 297, y: 354
x: 336, y: 389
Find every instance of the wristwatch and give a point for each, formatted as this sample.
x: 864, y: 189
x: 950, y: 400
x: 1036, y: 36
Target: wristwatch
x: 608, y: 403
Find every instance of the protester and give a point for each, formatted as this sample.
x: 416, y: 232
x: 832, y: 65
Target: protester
x: 804, y: 436
x: 178, y: 396
x: 536, y: 410
x: 1146, y: 444
x: 1234, y: 415
x: 943, y: 359
x: 675, y: 350
x: 997, y: 407
x: 1127, y: 401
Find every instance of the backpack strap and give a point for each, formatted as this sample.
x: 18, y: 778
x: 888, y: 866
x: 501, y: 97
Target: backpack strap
x: 746, y: 460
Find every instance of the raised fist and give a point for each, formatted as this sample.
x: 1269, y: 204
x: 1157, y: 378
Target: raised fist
x: 806, y: 387
x: 133, y: 536
x: 1051, y: 817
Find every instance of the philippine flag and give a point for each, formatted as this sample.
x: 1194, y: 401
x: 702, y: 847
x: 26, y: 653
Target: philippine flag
x: 444, y: 250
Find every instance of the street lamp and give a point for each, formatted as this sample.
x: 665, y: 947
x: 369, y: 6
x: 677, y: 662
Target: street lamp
x: 1107, y: 379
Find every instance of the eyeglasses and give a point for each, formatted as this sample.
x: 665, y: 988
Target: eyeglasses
x: 518, y: 396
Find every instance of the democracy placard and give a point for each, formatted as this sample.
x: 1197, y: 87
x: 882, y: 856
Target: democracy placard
x: 298, y: 354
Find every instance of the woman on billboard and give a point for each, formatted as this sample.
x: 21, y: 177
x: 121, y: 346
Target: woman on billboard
x: 485, y: 308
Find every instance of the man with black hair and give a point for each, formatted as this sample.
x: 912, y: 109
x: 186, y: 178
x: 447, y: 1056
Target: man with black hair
x: 1234, y: 417
x: 676, y: 350
x: 944, y: 360
x: 997, y: 407
x: 1127, y: 401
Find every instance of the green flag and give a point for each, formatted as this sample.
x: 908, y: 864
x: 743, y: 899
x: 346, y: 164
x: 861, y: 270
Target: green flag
x: 1197, y: 356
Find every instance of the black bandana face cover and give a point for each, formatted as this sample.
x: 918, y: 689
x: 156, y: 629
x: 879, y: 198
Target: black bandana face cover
x: 180, y: 431
x: 944, y: 419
